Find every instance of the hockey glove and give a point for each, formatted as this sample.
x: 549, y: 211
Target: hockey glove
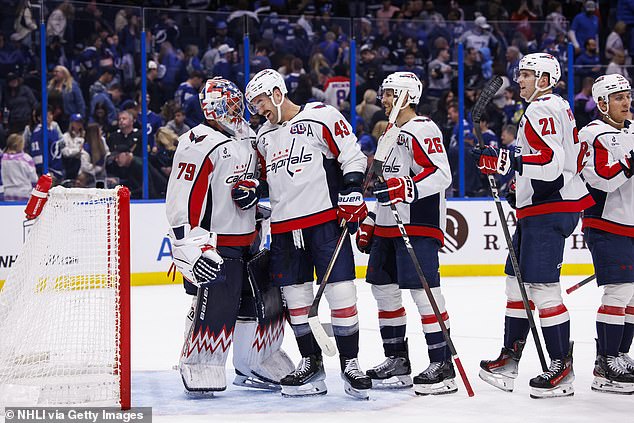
x: 365, y: 233
x: 246, y: 193
x: 511, y: 197
x: 492, y: 160
x: 351, y: 207
x: 196, y: 257
x: 395, y: 190
x: 628, y: 164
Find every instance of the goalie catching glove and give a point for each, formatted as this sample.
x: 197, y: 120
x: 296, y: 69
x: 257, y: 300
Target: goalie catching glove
x: 195, y: 255
x: 492, y: 160
x: 396, y: 190
x: 246, y: 193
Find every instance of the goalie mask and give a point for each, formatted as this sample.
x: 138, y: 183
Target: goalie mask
x: 403, y: 81
x: 540, y: 63
x: 608, y: 84
x: 265, y: 82
x: 222, y: 101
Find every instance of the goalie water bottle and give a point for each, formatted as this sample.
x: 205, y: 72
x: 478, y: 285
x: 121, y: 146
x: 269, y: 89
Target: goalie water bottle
x: 38, y: 197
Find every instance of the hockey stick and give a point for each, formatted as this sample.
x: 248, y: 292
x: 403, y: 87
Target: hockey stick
x: 485, y: 97
x: 382, y: 150
x: 580, y: 284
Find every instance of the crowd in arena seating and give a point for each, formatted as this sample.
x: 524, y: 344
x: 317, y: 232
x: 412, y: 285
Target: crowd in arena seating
x: 94, y: 71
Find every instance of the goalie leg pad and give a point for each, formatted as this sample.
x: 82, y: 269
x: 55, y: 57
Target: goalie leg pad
x: 202, y: 362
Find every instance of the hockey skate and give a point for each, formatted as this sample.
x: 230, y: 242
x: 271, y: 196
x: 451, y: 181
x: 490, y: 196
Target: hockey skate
x: 556, y: 381
x: 502, y: 371
x: 393, y: 373
x: 611, y: 375
x: 437, y: 379
x: 627, y: 361
x: 252, y: 381
x: 355, y: 382
x: 306, y: 380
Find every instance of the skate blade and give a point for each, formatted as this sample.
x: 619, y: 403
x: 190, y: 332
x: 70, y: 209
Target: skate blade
x: 502, y: 382
x: 600, y: 384
x: 447, y: 386
x: 361, y: 394
x: 562, y: 390
x: 309, y: 389
x: 394, y: 382
x: 250, y: 382
x: 196, y: 395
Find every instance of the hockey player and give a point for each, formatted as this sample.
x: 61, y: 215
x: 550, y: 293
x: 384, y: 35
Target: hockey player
x: 416, y: 176
x: 550, y: 194
x: 314, y: 172
x: 609, y: 230
x: 209, y: 160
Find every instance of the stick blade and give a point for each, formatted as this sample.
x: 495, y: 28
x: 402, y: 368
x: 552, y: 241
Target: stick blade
x: 324, y: 342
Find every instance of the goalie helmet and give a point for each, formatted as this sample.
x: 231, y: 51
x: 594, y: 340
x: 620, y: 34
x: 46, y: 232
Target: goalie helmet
x: 608, y: 84
x: 539, y: 63
x: 403, y: 80
x: 264, y: 82
x: 222, y: 101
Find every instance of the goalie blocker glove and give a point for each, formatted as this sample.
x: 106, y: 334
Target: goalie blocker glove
x: 195, y: 255
x: 492, y: 160
x: 396, y: 190
x: 246, y: 193
x: 365, y: 233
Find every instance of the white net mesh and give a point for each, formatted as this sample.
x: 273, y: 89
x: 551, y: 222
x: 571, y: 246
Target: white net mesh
x: 60, y: 306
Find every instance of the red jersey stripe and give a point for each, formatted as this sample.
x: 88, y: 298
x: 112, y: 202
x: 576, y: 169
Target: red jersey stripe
x: 199, y: 192
x: 544, y: 153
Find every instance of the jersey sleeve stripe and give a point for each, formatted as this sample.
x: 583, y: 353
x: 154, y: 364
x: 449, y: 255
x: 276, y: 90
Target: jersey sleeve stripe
x: 544, y: 153
x: 601, y: 166
x: 423, y: 160
x: 332, y: 145
x: 198, y: 193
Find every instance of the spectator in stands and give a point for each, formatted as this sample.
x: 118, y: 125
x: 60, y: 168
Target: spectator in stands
x: 154, y: 120
x: 472, y: 68
x: 94, y: 153
x: 189, y: 88
x: 479, y: 36
x: 584, y: 104
x: 102, y: 83
x: 509, y: 142
x: 17, y: 170
x: 34, y: 141
x: 588, y: 63
x: 129, y: 169
x: 64, y: 87
x: 60, y: 20
x: 369, y: 60
x: 19, y: 102
x: 108, y: 100
x: 24, y: 23
x: 169, y: 59
x: 163, y: 156
x: 513, y: 108
x: 387, y: 11
x: 524, y: 15
x: 190, y: 62
x: 617, y: 65
x: 615, y: 40
x: 367, y: 108
x: 126, y: 135
x: 178, y: 125
x: 584, y: 26
x: 440, y: 74
x: 73, y: 141
x: 512, y: 62
x: 154, y: 88
x: 555, y: 21
x: 329, y: 47
x: 473, y: 183
x: 292, y: 79
x: 411, y: 66
x: 260, y: 59
x: 224, y: 65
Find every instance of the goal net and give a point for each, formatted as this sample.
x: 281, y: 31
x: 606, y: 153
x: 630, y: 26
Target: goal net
x: 64, y: 308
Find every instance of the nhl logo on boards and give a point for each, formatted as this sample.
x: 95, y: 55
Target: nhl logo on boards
x: 456, y: 233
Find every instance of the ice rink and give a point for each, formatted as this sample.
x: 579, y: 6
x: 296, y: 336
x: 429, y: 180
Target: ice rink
x: 476, y: 310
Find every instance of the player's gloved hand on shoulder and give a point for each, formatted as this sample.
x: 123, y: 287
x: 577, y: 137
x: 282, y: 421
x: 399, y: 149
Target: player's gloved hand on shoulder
x: 627, y: 164
x: 246, y: 193
x: 196, y: 257
x: 351, y: 207
x: 493, y: 160
x: 396, y: 190
x: 365, y: 233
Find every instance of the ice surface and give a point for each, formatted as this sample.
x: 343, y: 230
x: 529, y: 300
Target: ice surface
x: 476, y: 310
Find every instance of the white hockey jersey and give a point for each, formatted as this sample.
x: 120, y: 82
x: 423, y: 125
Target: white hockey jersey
x: 552, y: 158
x: 206, y: 166
x: 612, y: 191
x: 419, y: 152
x: 305, y: 159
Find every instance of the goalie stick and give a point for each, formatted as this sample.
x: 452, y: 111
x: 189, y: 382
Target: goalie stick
x: 485, y: 97
x: 580, y: 284
x: 382, y: 150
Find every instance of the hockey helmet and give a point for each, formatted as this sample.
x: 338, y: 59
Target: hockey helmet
x: 539, y: 63
x: 403, y: 80
x: 608, y: 84
x: 264, y: 82
x: 222, y: 101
